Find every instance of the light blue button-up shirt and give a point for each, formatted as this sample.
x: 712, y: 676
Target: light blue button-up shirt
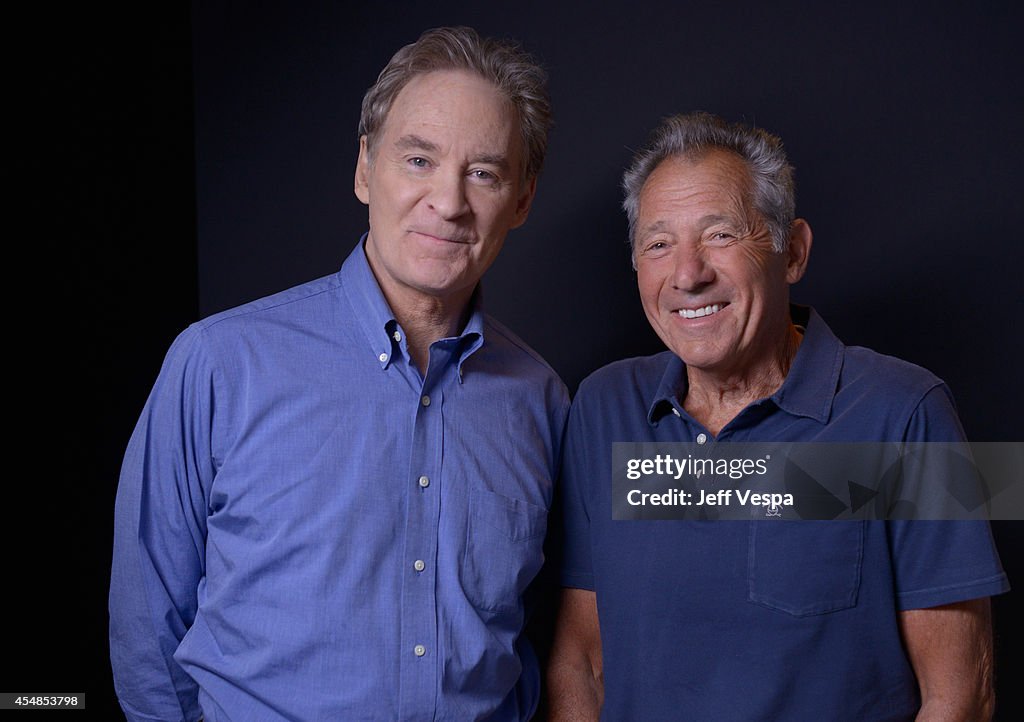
x: 307, y: 528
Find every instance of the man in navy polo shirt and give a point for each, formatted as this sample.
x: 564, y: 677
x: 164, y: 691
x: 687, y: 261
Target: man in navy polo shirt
x: 739, y: 620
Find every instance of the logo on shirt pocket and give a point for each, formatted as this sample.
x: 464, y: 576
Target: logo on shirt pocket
x: 805, y: 568
x: 504, y: 550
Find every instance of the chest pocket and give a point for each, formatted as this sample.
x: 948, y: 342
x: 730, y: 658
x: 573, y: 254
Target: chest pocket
x: 504, y: 550
x: 805, y: 567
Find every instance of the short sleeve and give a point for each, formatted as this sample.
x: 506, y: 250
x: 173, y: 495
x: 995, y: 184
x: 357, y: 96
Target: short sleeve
x: 576, y: 479
x: 942, y: 562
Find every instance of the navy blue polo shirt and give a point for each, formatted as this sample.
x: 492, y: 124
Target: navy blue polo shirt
x: 749, y: 620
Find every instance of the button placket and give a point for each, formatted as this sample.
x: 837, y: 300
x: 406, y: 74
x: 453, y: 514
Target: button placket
x: 419, y: 603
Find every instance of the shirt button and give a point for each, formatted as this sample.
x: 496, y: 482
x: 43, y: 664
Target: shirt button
x: 397, y: 336
x: 424, y: 482
x: 383, y: 357
x: 425, y: 400
x: 701, y: 438
x: 419, y: 650
x: 418, y: 565
x: 676, y: 411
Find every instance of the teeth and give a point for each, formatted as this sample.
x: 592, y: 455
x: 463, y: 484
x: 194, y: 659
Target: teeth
x: 700, y: 312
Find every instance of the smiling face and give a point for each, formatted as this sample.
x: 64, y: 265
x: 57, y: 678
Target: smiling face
x: 711, y: 285
x: 444, y: 186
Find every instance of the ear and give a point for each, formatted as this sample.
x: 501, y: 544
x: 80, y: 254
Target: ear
x: 523, y: 203
x: 799, y: 252
x: 362, y: 182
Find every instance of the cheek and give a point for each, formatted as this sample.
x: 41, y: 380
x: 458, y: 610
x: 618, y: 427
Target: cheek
x: 494, y: 213
x: 649, y: 285
x: 393, y: 190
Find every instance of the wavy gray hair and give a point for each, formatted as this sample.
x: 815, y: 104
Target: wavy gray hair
x: 695, y: 134
x: 512, y: 70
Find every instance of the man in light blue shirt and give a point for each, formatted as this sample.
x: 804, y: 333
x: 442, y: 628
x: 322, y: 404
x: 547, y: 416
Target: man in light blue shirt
x: 337, y: 495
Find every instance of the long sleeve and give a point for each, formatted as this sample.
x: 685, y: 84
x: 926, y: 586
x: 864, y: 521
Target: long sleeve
x: 159, y: 537
x: 308, y: 528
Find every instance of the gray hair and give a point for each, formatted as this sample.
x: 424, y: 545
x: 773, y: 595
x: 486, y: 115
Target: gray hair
x: 510, y: 68
x: 693, y: 135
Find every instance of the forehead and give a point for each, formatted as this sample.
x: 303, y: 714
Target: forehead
x: 453, y: 102
x: 717, y: 178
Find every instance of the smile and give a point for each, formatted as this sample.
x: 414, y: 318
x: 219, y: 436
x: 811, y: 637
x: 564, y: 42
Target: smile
x: 443, y: 239
x: 703, y: 311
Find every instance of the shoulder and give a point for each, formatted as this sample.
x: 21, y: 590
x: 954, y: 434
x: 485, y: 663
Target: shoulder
x: 640, y: 374
x: 622, y: 392
x: 904, y: 400
x: 866, y: 394
x: 294, y: 304
x: 516, y: 353
x: 856, y: 369
x: 888, y: 374
x: 259, y: 326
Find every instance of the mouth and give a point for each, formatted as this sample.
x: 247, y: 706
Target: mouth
x: 442, y: 239
x: 701, y: 311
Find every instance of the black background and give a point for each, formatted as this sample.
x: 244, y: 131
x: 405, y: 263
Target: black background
x: 178, y: 162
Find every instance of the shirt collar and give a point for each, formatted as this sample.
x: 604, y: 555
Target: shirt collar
x: 472, y: 336
x: 810, y: 385
x: 671, y: 388
x: 377, y: 320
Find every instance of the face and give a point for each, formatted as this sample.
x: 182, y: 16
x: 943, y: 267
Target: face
x: 711, y: 285
x: 444, y: 186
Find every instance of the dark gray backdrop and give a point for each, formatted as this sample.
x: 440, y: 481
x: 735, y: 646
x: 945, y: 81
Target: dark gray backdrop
x: 903, y: 124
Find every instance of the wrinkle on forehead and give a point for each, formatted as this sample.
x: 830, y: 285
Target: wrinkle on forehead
x: 482, y: 104
x: 484, y: 117
x: 730, y: 189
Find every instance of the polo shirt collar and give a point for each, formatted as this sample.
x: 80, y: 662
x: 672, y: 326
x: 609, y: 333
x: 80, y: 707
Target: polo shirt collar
x: 810, y: 385
x: 671, y: 389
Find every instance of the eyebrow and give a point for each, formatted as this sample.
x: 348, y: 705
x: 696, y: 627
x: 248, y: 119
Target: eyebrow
x: 415, y: 142
x: 713, y: 218
x: 703, y: 221
x: 653, y: 227
x: 497, y: 160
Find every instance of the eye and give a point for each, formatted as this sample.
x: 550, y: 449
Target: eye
x: 655, y: 249
x: 418, y: 162
x: 721, y: 238
x: 485, y: 177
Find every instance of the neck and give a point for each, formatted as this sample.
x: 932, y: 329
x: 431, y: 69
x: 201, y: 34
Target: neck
x: 715, y: 397
x: 423, y: 316
x: 426, y: 322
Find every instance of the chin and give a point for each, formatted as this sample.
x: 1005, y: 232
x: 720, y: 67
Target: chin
x: 703, y: 359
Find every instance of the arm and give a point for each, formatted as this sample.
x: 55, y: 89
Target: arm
x: 948, y: 639
x: 159, y: 540
x: 575, y: 676
x: 950, y: 649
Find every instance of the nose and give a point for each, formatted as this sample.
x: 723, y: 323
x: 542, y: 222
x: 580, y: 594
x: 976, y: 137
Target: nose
x: 448, y: 195
x: 691, y: 272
